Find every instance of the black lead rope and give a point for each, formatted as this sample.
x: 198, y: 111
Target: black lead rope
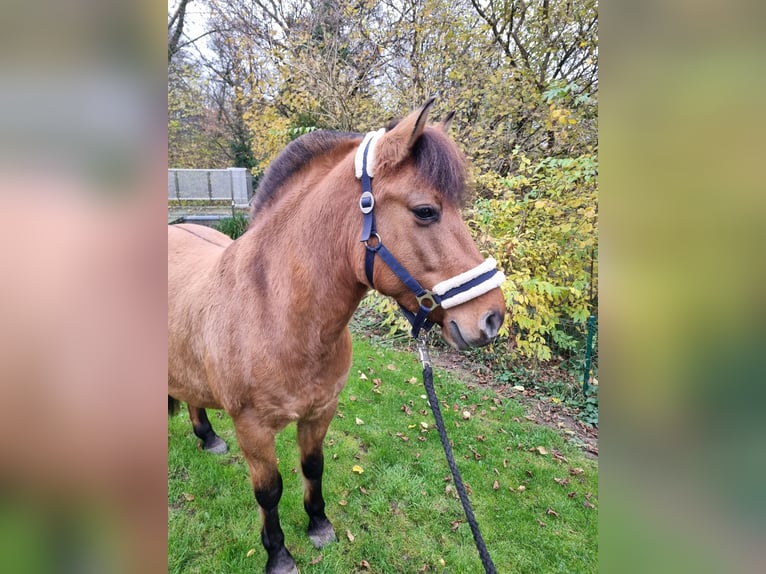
x: 428, y: 382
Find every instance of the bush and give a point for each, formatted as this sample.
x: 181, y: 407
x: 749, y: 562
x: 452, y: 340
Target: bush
x: 233, y: 226
x: 541, y: 225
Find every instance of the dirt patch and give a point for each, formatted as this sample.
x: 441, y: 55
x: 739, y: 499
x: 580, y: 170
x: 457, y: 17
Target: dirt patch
x: 541, y: 409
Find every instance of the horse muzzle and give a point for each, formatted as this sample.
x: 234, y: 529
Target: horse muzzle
x: 465, y: 331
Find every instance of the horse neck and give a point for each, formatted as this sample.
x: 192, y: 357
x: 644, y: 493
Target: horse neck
x: 306, y: 250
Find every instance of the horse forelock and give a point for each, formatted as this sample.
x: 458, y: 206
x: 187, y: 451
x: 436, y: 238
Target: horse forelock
x: 441, y: 165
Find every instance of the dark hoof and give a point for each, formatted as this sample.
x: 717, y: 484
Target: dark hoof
x: 217, y: 446
x: 322, y: 534
x: 281, y: 563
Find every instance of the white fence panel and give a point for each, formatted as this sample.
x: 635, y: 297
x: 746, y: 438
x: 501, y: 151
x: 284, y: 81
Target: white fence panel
x: 232, y: 184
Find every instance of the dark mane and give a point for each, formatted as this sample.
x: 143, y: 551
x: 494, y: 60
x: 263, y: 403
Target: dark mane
x: 292, y: 159
x: 438, y: 161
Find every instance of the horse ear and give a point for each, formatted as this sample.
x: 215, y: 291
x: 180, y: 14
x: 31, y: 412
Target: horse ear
x: 395, y: 145
x: 447, y: 122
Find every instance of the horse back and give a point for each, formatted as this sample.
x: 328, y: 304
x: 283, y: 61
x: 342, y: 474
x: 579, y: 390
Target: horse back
x: 193, y: 253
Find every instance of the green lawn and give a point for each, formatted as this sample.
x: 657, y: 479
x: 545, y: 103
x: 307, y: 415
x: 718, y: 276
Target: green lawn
x: 397, y: 515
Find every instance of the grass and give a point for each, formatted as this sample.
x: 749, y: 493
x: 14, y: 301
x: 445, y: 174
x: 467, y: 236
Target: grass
x: 398, y: 510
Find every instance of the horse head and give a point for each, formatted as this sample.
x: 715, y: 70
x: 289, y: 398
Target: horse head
x: 419, y: 177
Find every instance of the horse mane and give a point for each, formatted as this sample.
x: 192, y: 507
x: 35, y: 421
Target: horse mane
x: 294, y: 158
x: 438, y: 161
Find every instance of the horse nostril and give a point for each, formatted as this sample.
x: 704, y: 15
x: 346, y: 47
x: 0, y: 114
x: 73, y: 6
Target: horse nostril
x: 490, y: 324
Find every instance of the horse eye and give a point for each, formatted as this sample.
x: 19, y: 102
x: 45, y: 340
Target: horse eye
x: 426, y: 213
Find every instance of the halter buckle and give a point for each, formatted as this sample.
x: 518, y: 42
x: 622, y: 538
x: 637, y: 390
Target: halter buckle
x: 366, y: 202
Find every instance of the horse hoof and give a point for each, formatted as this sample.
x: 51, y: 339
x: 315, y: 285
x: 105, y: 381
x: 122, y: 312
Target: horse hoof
x: 281, y: 563
x: 322, y: 535
x: 217, y: 447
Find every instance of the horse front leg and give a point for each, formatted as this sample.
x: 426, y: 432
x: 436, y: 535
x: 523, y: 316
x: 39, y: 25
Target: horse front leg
x: 211, y: 442
x: 257, y: 445
x: 311, y: 435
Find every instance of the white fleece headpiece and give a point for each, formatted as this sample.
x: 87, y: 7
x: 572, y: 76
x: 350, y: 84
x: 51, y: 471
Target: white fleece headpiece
x: 373, y: 138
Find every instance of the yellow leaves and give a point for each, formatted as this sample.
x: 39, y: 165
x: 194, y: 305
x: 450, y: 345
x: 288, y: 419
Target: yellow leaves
x: 250, y: 552
x: 359, y: 421
x: 357, y: 469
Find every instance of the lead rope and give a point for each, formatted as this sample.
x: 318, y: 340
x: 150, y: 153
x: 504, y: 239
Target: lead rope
x: 428, y: 383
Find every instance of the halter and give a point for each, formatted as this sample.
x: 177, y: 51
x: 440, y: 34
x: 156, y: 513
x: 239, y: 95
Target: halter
x: 446, y: 294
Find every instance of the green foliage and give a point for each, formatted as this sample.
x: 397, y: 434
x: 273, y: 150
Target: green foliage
x: 542, y: 226
x: 589, y: 407
x: 233, y: 226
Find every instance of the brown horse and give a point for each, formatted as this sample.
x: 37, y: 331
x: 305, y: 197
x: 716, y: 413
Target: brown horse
x: 259, y: 326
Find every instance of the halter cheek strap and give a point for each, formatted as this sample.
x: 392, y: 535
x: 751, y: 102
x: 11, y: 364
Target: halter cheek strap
x: 446, y: 294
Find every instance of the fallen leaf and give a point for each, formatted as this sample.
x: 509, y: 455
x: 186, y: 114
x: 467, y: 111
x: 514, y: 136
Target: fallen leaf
x: 442, y: 562
x: 391, y: 367
x: 363, y: 376
x: 363, y: 490
x: 349, y: 536
x: 359, y: 421
x: 407, y: 411
x: 352, y: 398
x: 188, y: 496
x: 317, y: 560
x: 250, y: 552
x: 455, y: 525
x: 517, y: 388
x: 466, y: 415
x: 357, y: 469
x: 343, y: 502
x: 521, y: 488
x: 364, y: 564
x: 576, y: 471
x: 541, y: 450
x: 587, y: 504
x: 551, y: 512
x: 572, y: 494
x: 561, y: 481
x: 424, y: 425
x: 541, y: 523
x: 413, y: 381
x: 495, y: 485
x: 558, y: 456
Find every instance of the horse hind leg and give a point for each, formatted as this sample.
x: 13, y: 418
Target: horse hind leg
x: 257, y: 444
x: 211, y: 442
x: 310, y: 440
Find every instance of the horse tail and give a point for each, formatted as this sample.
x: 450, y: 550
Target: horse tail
x: 173, y: 405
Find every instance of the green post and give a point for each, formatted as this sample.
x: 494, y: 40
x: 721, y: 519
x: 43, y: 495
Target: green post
x: 588, y: 353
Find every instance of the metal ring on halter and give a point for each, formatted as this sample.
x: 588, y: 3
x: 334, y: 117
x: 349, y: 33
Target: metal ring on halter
x: 373, y: 247
x: 428, y: 301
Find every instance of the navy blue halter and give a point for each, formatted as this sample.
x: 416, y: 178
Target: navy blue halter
x: 427, y: 301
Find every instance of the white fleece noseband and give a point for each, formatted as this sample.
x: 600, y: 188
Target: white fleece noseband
x: 443, y: 288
